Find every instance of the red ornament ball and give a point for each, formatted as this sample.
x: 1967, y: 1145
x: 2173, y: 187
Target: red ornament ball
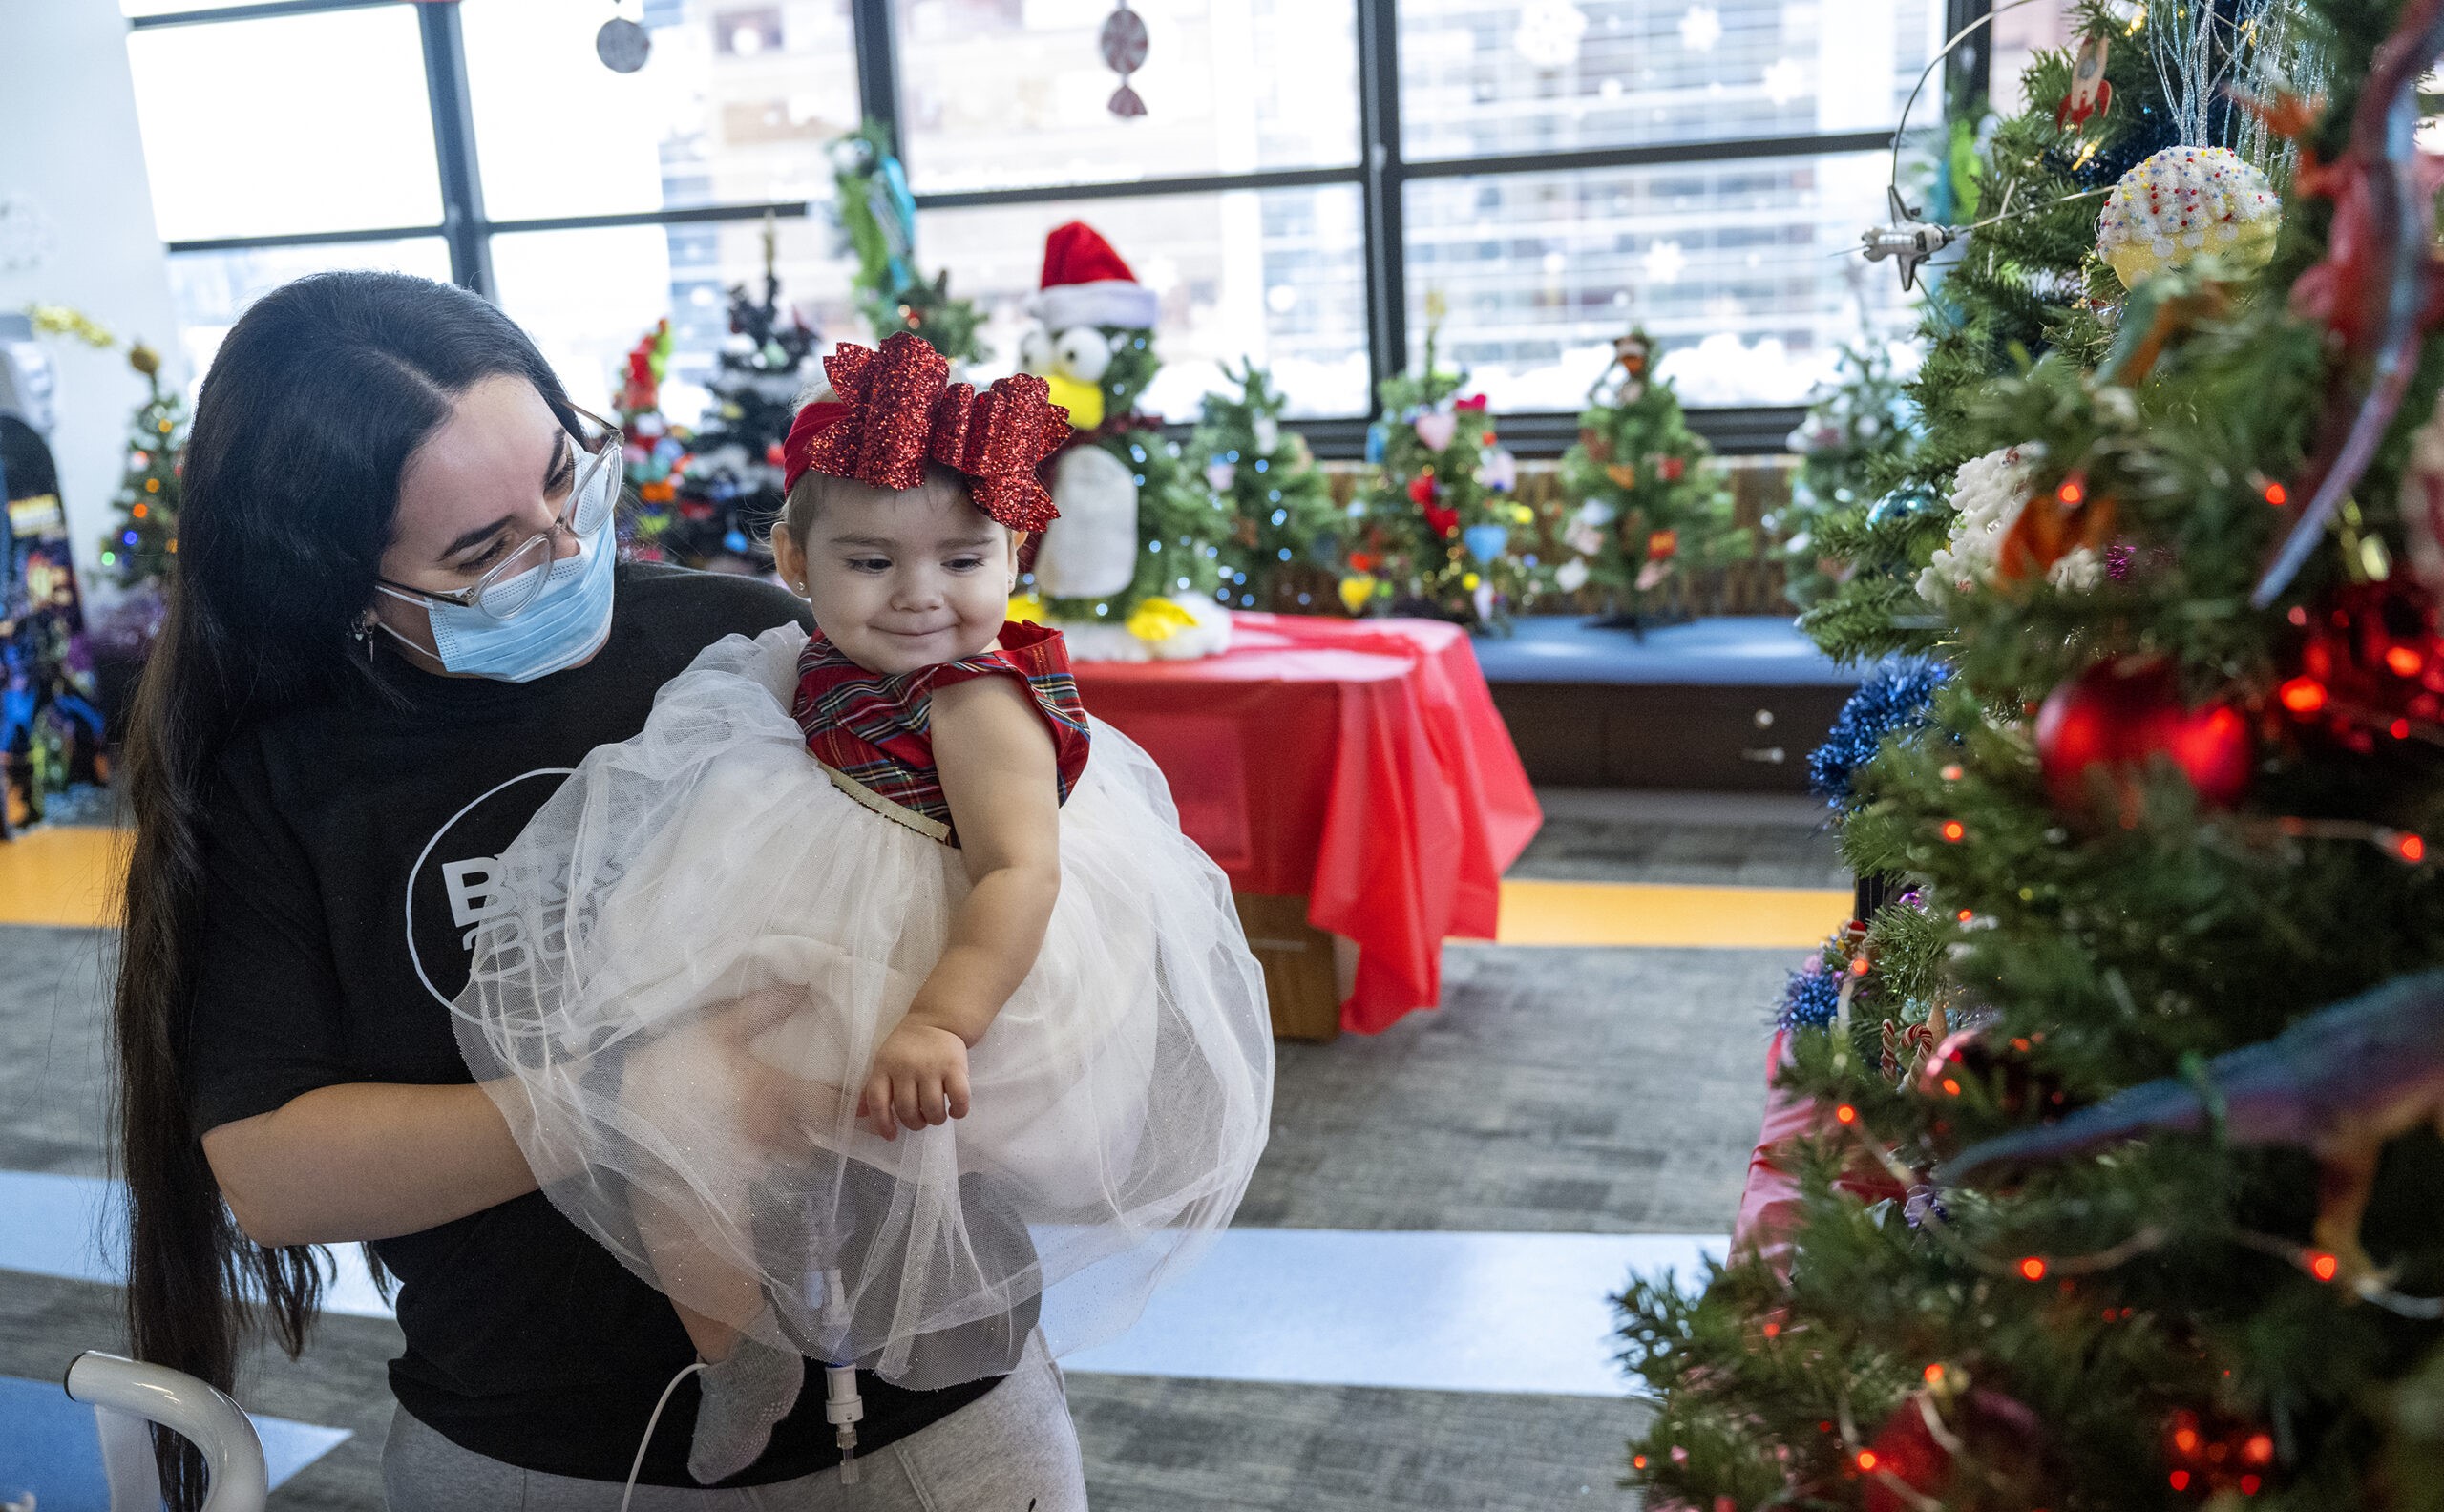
x: 2117, y: 717
x: 1905, y: 1449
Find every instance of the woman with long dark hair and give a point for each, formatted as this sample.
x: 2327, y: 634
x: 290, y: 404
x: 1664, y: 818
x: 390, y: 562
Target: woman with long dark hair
x: 396, y: 623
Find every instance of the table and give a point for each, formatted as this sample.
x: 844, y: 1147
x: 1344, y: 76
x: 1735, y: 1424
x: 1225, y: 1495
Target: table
x: 1356, y: 765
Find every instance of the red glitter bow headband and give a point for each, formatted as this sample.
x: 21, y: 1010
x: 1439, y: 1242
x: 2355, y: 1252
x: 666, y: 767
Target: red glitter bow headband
x: 895, y: 411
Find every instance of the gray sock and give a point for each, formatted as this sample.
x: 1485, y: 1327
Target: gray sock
x: 744, y: 1396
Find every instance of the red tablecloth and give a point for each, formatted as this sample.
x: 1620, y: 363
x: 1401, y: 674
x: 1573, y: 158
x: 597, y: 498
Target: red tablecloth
x: 1359, y: 762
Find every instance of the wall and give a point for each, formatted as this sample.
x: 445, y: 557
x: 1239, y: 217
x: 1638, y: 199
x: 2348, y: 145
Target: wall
x: 68, y: 141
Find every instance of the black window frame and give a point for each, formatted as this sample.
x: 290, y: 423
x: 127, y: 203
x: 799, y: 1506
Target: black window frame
x: 1380, y: 174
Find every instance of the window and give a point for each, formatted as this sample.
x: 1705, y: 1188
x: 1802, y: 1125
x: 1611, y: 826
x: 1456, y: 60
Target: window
x: 734, y: 106
x: 586, y: 295
x: 1272, y: 274
x: 1016, y: 95
x: 1313, y: 183
x: 1740, y: 269
x: 211, y: 289
x: 298, y: 123
x: 1486, y: 76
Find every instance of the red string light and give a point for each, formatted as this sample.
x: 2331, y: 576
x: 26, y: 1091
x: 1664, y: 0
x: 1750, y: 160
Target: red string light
x: 2324, y: 1267
x: 2070, y: 492
x: 2277, y: 494
x: 1866, y: 1460
x: 1846, y: 1114
x: 2180, y: 1480
x: 2302, y: 695
x: 2411, y: 847
x: 2034, y: 1268
x: 1954, y: 830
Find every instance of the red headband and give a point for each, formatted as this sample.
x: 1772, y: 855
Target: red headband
x: 894, y: 412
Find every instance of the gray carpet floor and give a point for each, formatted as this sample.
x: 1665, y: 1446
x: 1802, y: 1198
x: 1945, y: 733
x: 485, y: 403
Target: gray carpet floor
x: 1565, y: 1090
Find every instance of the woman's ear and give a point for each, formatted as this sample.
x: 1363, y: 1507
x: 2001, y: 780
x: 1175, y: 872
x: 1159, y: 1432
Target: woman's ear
x: 789, y: 557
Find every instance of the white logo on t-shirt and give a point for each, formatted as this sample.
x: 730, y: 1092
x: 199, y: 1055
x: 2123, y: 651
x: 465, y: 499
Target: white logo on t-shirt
x: 470, y: 884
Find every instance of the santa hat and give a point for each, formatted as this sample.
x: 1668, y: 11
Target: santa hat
x: 1086, y: 284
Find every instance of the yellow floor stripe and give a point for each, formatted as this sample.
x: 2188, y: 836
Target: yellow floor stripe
x: 66, y: 877
x: 63, y: 875
x: 1535, y: 913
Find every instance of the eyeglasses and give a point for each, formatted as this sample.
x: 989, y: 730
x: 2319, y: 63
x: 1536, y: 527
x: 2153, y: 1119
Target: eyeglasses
x: 509, y: 586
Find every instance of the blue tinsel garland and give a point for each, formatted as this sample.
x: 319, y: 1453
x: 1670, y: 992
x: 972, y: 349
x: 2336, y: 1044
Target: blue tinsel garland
x: 1894, y: 697
x: 1810, y: 999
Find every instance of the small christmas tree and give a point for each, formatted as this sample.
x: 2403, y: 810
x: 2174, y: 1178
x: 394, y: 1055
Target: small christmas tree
x: 143, y: 547
x: 1288, y: 529
x: 1443, y: 531
x: 654, y: 452
x: 878, y: 218
x: 1856, y: 430
x: 730, y: 493
x: 1652, y: 506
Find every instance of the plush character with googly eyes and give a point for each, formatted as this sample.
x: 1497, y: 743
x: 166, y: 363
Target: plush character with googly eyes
x: 1130, y: 569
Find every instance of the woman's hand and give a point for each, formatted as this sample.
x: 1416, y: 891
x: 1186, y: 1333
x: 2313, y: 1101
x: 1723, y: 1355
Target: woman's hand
x: 709, y: 1070
x: 919, y: 1078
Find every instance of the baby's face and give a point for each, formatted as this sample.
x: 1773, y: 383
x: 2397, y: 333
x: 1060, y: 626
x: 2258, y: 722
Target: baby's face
x: 902, y: 581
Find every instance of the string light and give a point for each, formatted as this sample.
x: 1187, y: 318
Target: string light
x: 1846, y: 1114
x: 2180, y: 1480
x: 1935, y: 1374
x: 1866, y: 1460
x: 1954, y: 830
x: 2323, y: 1266
x: 2277, y: 494
x: 2302, y: 695
x: 2404, y: 661
x: 2034, y: 1268
x: 2070, y: 492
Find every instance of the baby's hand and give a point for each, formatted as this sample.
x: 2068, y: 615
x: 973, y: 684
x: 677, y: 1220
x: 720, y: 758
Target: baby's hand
x: 919, y: 1078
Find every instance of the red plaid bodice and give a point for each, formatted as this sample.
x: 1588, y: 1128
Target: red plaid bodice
x: 874, y: 733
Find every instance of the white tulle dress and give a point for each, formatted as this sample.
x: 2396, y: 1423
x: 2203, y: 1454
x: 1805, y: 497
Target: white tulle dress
x: 711, y: 882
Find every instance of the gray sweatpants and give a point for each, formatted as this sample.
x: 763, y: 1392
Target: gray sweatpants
x: 1012, y: 1448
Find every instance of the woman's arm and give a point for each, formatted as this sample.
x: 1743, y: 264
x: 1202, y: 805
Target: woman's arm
x: 999, y: 773
x: 366, y: 1161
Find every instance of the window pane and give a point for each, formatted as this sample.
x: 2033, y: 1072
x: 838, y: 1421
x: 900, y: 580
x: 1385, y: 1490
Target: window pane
x: 1742, y: 271
x: 732, y: 106
x: 1274, y: 275
x: 586, y: 297
x: 1480, y: 76
x: 294, y: 123
x: 150, y: 8
x: 2020, y: 33
x: 997, y: 94
x: 212, y: 289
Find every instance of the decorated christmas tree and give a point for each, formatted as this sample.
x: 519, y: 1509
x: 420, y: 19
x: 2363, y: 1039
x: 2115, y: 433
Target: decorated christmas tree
x: 878, y: 218
x: 1288, y: 532
x: 141, y: 548
x: 730, y: 493
x: 653, y: 451
x: 2024, y: 283
x: 1439, y: 530
x: 1857, y: 429
x: 1651, y: 506
x: 1132, y: 569
x: 2122, y: 1187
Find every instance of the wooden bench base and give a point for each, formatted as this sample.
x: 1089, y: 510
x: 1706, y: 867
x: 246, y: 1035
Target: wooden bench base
x: 1307, y: 972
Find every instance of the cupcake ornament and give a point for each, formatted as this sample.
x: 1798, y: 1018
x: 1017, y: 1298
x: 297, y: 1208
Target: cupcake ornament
x: 2183, y: 204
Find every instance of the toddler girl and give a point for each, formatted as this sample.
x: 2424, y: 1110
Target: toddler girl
x: 876, y: 1019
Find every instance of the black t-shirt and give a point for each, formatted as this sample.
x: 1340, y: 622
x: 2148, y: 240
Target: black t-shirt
x: 348, y: 852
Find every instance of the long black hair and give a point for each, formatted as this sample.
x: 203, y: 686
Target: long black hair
x: 312, y: 406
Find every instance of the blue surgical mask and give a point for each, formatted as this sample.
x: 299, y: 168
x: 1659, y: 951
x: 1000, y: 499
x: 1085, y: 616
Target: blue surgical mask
x: 567, y: 622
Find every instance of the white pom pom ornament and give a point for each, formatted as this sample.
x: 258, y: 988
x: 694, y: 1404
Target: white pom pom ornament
x: 2183, y: 204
